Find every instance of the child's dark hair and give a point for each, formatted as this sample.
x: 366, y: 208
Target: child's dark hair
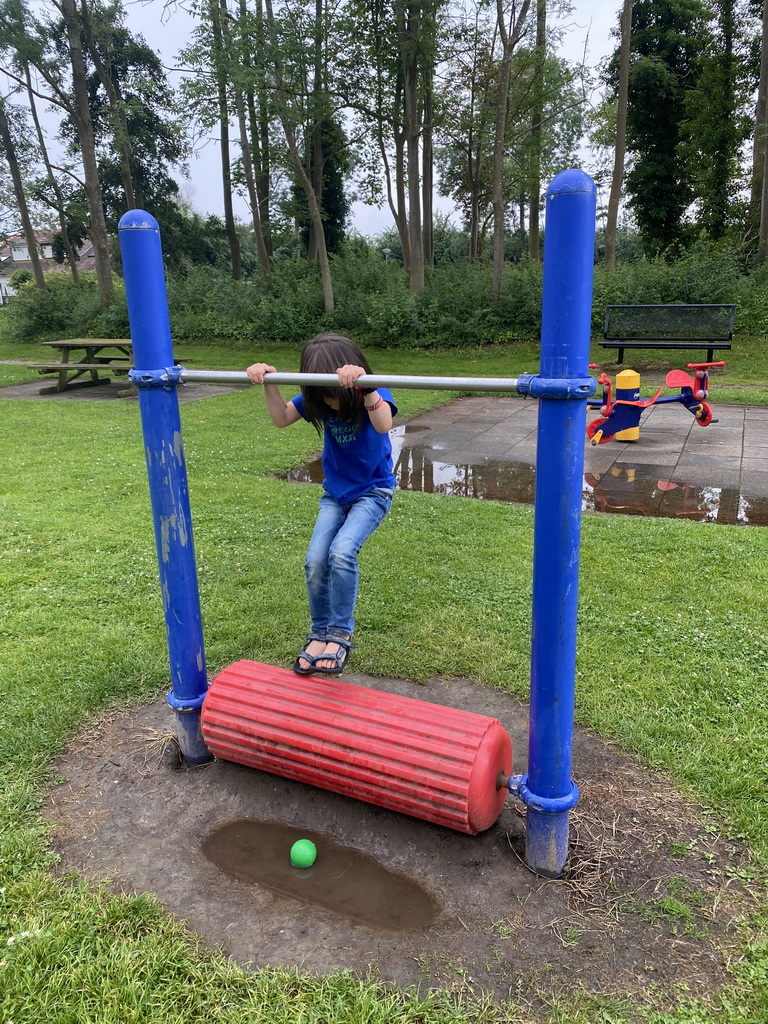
x: 326, y: 353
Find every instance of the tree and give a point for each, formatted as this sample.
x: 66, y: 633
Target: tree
x: 137, y: 131
x: 534, y: 188
x: 287, y: 114
x: 620, y: 144
x: 80, y: 111
x: 718, y: 122
x: 389, y: 81
x: 49, y: 186
x: 371, y: 87
x: 466, y: 134
x: 510, y: 32
x: 27, y: 43
x: 100, y: 52
x: 760, y: 137
x: 221, y: 61
x: 246, y: 114
x: 408, y: 20
x: 329, y: 188
x: 666, y: 42
x: 543, y: 91
x: 9, y: 151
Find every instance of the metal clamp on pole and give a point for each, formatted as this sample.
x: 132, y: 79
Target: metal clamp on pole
x: 518, y: 786
x: 533, y: 385
x: 164, y: 377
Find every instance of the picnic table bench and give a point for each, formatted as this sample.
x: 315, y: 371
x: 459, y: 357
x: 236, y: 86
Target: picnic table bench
x: 708, y: 326
x: 93, y: 356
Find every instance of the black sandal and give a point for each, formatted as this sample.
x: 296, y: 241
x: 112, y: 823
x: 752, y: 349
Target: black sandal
x: 311, y: 658
x: 340, y: 658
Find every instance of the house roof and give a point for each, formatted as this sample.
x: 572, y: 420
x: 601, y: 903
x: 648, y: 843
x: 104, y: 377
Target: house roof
x: 8, y: 264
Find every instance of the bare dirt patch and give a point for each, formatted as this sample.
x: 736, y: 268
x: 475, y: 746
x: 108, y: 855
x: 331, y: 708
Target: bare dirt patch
x: 647, y: 907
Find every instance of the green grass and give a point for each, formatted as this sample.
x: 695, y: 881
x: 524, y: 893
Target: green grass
x: 672, y: 664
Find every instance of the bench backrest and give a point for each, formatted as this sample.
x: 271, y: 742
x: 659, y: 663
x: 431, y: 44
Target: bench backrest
x: 710, y: 322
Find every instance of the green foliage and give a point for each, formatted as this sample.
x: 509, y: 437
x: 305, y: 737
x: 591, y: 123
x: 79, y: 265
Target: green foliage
x: 65, y: 310
x: 721, y: 120
x: 285, y: 305
x: 375, y: 306
x: 333, y: 200
x: 708, y: 273
x: 20, y: 277
x: 667, y: 38
x: 144, y: 114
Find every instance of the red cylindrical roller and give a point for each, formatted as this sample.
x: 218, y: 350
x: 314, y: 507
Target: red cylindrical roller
x: 422, y: 759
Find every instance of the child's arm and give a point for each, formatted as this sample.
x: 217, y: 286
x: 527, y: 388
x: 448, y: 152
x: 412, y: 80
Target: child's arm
x: 378, y: 411
x: 281, y: 413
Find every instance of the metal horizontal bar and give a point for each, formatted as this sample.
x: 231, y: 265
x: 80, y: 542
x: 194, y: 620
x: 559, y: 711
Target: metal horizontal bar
x: 368, y: 380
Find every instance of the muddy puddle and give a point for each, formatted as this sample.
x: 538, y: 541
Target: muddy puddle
x: 634, y: 490
x: 342, y: 879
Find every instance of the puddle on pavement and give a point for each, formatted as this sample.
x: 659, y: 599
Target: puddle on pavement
x: 638, y: 490
x: 343, y: 880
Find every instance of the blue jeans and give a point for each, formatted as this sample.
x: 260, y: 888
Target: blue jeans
x: 331, y: 563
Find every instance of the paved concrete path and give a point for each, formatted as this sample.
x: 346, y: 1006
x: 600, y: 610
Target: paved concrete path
x: 486, y: 447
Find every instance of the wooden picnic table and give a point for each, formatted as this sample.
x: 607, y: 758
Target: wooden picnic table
x: 81, y: 360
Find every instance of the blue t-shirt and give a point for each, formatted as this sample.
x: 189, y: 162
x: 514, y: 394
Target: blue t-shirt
x: 354, y: 462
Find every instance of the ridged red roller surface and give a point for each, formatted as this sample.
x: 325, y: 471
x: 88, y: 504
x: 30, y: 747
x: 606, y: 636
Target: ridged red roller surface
x: 422, y: 759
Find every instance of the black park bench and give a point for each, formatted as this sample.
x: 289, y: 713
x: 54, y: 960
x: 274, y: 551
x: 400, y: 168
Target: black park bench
x: 708, y: 326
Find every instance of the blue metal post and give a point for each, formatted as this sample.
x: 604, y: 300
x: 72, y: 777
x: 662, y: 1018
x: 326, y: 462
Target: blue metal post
x: 157, y: 379
x: 548, y: 790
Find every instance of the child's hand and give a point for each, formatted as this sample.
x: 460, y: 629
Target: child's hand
x: 348, y: 375
x: 257, y: 371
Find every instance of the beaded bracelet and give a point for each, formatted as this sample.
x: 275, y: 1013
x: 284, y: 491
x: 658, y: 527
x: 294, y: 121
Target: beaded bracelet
x: 376, y: 404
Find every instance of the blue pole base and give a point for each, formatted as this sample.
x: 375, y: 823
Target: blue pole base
x: 547, y: 818
x: 546, y: 842
x: 190, y: 734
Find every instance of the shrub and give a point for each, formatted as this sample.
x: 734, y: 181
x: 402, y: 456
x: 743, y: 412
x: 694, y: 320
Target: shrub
x: 62, y: 310
x: 20, y: 277
x: 374, y: 305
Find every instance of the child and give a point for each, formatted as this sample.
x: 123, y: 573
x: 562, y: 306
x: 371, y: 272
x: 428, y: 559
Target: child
x: 357, y: 489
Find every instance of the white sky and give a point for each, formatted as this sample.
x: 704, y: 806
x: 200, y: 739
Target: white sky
x: 168, y: 30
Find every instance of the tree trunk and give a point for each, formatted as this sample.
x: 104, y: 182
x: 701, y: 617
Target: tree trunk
x: 218, y: 17
x: 60, y: 205
x: 427, y: 175
x: 611, y: 223
x: 509, y: 38
x: 98, y: 227
x: 317, y: 128
x: 762, y: 251
x: 251, y: 183
x: 9, y: 149
x: 408, y: 23
x: 245, y: 149
x: 534, y: 186
x: 761, y: 126
x: 259, y: 124
x: 400, y: 209
x: 299, y: 170
x: 117, y: 115
x: 499, y: 206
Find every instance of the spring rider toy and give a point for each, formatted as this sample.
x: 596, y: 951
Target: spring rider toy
x: 620, y: 416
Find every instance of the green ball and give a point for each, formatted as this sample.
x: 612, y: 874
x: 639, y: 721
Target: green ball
x: 303, y: 853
